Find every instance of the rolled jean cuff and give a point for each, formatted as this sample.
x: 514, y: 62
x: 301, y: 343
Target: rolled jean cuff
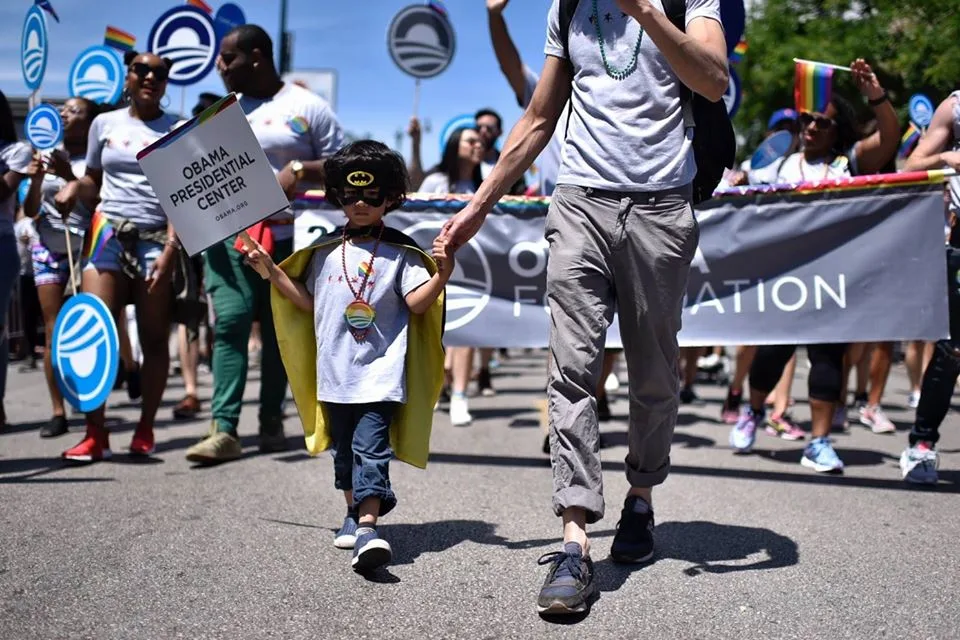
x: 645, y: 479
x: 388, y: 500
x: 579, y: 498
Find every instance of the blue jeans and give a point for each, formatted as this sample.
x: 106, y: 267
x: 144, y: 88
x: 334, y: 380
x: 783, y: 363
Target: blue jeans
x: 361, y: 450
x: 9, y: 273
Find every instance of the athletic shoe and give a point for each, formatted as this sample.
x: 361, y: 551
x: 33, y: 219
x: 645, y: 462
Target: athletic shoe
x: 820, y: 456
x: 215, y: 448
x: 784, y: 427
x: 484, y: 384
x: 744, y: 433
x: 56, y: 427
x: 873, y: 416
x: 271, y: 436
x: 90, y: 449
x: 370, y: 551
x: 569, y: 585
x: 839, y: 422
x: 913, y: 400
x: 142, y: 443
x: 918, y: 464
x: 688, y: 396
x: 460, y: 411
x: 346, y: 537
x: 603, y: 408
x: 731, y: 407
x: 633, y: 542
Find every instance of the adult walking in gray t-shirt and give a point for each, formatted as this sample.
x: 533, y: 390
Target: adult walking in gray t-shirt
x: 621, y: 233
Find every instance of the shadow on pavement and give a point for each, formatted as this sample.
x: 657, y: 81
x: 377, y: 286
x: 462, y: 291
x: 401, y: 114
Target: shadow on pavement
x: 619, y: 439
x: 850, y: 457
x: 34, y: 470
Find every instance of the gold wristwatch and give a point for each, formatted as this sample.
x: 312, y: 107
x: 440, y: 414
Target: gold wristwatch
x: 297, y: 167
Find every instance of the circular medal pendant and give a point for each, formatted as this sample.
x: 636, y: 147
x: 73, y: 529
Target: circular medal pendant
x: 359, y: 315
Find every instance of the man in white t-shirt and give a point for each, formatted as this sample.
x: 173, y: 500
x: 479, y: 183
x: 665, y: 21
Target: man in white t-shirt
x: 621, y: 232
x: 297, y: 130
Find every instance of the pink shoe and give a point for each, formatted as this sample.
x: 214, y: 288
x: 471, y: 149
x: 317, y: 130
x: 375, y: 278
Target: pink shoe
x: 784, y: 427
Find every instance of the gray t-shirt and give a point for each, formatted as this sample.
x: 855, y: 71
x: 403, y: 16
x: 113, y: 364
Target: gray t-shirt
x: 293, y: 124
x: 372, y: 370
x: 50, y: 223
x: 624, y: 135
x: 115, y: 139
x: 14, y: 156
x: 954, y: 183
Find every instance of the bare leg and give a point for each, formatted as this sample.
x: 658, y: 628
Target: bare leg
x: 189, y: 358
x: 462, y: 366
x: 880, y: 371
x: 782, y: 392
x: 113, y: 288
x: 369, y: 509
x: 153, y: 323
x: 51, y: 299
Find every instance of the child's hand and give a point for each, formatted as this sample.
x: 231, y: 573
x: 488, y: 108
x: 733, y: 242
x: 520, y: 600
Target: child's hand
x: 256, y: 257
x: 444, y: 257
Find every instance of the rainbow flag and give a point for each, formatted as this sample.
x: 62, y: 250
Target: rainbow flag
x: 98, y: 234
x: 812, y: 87
x: 909, y: 140
x: 738, y: 52
x: 200, y: 4
x: 119, y: 39
x: 437, y: 6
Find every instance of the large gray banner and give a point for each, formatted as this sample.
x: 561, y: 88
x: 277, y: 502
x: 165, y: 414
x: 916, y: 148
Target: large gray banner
x: 777, y: 268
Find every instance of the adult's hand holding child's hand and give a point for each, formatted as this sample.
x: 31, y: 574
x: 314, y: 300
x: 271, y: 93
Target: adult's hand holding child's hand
x: 443, y: 254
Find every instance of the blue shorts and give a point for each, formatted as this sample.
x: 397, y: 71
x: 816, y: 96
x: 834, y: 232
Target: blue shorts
x: 49, y: 267
x: 109, y: 258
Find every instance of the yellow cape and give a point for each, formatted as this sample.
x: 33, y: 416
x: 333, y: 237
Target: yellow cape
x: 410, y: 430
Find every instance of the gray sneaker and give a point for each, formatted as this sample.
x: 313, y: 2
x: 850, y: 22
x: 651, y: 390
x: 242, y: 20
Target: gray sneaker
x: 918, y: 464
x: 569, y: 586
x: 217, y: 448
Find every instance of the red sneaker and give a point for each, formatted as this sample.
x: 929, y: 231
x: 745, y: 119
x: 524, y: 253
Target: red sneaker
x: 142, y: 443
x: 90, y: 449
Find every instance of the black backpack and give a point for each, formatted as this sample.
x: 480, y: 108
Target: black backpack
x: 714, y: 143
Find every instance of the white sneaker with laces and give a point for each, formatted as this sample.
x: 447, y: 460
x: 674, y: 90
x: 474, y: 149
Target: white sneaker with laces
x: 460, y: 411
x: 873, y: 416
x: 918, y: 465
x: 913, y: 401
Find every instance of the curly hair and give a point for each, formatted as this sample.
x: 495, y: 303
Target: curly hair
x: 371, y: 156
x: 848, y: 128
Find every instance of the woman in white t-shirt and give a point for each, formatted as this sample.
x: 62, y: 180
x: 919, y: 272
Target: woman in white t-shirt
x: 137, y: 262
x: 458, y: 172
x: 14, y: 161
x: 50, y: 258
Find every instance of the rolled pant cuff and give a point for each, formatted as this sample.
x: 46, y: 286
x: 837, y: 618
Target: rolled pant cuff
x: 388, y: 500
x: 581, y: 498
x: 644, y: 479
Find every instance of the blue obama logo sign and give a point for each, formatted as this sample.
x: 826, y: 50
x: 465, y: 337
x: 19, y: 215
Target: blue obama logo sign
x: 85, y: 352
x: 187, y: 36
x: 34, y: 48
x: 43, y: 127
x: 97, y: 74
x: 471, y: 284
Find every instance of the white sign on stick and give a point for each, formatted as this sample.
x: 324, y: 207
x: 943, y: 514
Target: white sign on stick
x: 212, y: 177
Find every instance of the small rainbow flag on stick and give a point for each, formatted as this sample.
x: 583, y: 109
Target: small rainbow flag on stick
x: 98, y: 234
x: 119, y: 39
x: 200, y: 4
x: 909, y: 140
x: 738, y: 52
x: 812, y: 86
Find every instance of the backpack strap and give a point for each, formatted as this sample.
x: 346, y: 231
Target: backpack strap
x: 567, y: 9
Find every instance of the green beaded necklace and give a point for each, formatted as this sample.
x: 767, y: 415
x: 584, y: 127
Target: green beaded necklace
x: 616, y: 74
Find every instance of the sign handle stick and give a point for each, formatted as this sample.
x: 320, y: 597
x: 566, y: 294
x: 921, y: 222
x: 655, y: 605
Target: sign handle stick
x: 73, y: 279
x: 416, y: 97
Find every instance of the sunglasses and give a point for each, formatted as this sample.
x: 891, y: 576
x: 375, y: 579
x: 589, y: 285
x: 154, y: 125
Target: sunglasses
x: 142, y: 70
x: 820, y: 122
x: 372, y: 196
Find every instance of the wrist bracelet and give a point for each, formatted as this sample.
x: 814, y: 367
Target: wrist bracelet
x: 878, y: 101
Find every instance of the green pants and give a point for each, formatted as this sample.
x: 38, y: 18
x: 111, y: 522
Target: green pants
x: 239, y: 297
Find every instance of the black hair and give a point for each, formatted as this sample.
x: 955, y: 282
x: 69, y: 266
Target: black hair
x: 204, y: 100
x: 367, y: 155
x: 131, y: 55
x: 848, y: 131
x: 93, y: 108
x: 449, y: 164
x: 250, y: 37
x: 8, y: 132
x: 490, y: 112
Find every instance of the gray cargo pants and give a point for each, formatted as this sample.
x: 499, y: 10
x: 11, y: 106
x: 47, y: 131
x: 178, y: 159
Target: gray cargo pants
x: 631, y: 251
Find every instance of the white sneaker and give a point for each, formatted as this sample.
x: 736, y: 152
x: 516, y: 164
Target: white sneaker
x: 919, y: 464
x: 873, y: 416
x: 913, y: 401
x: 460, y: 411
x: 612, y: 383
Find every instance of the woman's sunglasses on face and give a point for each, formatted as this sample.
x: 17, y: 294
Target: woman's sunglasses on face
x: 821, y: 122
x: 142, y: 70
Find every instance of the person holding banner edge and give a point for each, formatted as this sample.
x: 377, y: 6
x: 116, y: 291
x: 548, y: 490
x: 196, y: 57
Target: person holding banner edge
x: 939, y: 148
x: 297, y: 130
x: 131, y: 249
x: 621, y: 230
x: 51, y: 266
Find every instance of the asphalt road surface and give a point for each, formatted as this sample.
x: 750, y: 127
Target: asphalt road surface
x: 748, y: 546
